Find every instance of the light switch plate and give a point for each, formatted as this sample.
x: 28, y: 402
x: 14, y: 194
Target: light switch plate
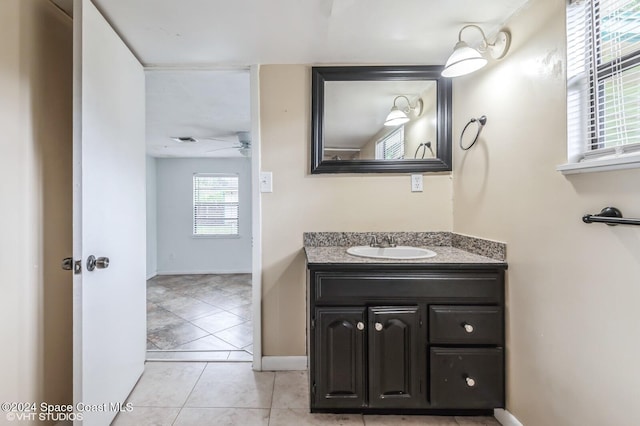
x: 416, y: 183
x: 266, y: 182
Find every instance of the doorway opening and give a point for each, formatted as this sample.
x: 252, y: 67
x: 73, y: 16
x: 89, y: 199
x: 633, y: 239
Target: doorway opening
x: 200, y: 298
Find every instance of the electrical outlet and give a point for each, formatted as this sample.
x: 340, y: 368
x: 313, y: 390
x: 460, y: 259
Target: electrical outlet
x: 416, y: 183
x: 266, y: 182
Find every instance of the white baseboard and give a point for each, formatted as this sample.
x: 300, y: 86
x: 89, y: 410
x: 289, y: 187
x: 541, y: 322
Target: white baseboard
x: 284, y: 363
x: 151, y: 275
x: 204, y: 272
x: 506, y: 418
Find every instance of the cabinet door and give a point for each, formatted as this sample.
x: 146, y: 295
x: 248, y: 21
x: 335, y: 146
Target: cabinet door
x: 339, y: 357
x: 397, y: 357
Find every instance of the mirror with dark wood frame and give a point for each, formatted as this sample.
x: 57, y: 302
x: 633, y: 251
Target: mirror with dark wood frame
x: 352, y: 130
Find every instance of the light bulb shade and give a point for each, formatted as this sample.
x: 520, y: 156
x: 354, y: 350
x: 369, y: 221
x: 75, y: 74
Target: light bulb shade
x: 463, y: 60
x: 396, y: 117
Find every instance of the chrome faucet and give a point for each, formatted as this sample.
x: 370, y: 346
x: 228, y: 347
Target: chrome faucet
x: 387, y: 241
x: 391, y: 241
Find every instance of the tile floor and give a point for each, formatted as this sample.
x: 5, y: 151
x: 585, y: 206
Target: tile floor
x: 231, y: 394
x: 200, y: 313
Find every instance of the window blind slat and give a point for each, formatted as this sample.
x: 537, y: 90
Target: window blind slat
x: 215, y: 204
x: 603, y: 73
x: 391, y: 147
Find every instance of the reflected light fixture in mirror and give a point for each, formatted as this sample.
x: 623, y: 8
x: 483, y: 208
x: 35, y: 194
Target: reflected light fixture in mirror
x: 397, y: 116
x: 465, y: 59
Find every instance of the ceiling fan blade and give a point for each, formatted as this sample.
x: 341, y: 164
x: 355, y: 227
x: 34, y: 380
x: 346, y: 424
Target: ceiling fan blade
x: 233, y: 139
x: 223, y: 148
x: 195, y: 139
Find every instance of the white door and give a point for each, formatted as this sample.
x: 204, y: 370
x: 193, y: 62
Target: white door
x: 108, y: 216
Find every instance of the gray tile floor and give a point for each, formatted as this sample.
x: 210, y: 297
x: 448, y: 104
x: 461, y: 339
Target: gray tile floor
x: 200, y: 313
x: 231, y: 394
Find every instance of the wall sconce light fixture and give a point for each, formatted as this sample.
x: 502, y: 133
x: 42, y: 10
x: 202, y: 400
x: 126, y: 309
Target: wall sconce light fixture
x: 465, y: 59
x: 399, y: 116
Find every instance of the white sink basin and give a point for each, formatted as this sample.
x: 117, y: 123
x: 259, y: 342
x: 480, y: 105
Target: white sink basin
x: 399, y: 252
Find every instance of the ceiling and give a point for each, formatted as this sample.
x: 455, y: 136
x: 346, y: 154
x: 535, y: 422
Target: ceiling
x: 211, y: 106
x: 214, y: 34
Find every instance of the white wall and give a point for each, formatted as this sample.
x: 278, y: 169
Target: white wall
x: 573, y: 323
x: 178, y: 251
x: 35, y: 192
x: 152, y: 216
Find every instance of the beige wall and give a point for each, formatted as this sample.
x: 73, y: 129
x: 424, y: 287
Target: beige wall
x: 302, y: 202
x: 573, y: 289
x: 35, y: 187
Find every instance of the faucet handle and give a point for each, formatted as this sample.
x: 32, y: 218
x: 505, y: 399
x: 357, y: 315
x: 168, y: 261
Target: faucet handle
x: 374, y: 241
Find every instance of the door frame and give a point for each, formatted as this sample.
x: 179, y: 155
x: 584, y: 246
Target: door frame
x: 256, y: 219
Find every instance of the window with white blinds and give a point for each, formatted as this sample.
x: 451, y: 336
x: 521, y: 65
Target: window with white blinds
x: 603, y: 78
x: 215, y: 204
x: 391, y: 147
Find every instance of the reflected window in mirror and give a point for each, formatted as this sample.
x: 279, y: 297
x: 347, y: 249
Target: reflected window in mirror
x: 352, y: 108
x: 391, y: 146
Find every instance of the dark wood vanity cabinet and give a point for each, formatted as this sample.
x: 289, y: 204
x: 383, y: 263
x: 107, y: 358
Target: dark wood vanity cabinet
x: 368, y: 357
x: 406, y: 338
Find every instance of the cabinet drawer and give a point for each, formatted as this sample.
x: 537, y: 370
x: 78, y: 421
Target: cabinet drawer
x: 439, y: 287
x: 467, y: 378
x: 466, y: 325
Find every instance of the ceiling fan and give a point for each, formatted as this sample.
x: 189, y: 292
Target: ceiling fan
x: 240, y: 141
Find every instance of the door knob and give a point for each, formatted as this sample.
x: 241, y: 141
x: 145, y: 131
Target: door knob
x: 100, y: 263
x: 470, y: 382
x: 468, y: 327
x: 378, y: 326
x: 360, y: 325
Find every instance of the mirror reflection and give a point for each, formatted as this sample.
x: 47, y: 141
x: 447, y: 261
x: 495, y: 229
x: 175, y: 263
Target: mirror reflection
x: 380, y: 120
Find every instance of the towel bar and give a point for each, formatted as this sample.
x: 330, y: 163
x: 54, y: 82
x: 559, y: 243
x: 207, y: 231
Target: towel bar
x: 611, y: 216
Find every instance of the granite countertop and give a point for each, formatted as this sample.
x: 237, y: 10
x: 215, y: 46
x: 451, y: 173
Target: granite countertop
x: 331, y: 248
x: 445, y: 254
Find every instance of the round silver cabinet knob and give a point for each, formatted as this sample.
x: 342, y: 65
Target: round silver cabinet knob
x: 468, y: 327
x: 470, y: 382
x: 378, y: 326
x: 360, y: 325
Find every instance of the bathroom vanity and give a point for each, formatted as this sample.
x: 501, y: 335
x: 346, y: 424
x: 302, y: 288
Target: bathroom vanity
x: 423, y: 336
